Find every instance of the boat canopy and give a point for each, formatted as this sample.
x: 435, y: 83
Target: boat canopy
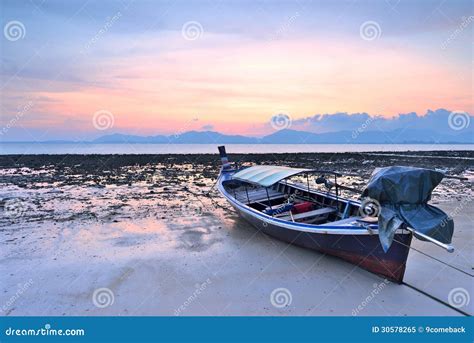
x: 267, y: 175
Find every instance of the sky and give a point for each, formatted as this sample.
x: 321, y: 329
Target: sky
x: 82, y: 69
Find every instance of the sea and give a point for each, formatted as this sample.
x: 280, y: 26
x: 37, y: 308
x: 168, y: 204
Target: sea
x: 89, y: 148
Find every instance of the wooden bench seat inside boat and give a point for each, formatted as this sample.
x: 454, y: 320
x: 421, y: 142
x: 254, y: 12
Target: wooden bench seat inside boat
x: 315, y: 213
x: 347, y: 221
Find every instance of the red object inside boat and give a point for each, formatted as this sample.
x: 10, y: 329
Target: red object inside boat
x: 302, y: 207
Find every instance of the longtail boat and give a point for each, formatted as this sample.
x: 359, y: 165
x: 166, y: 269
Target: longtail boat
x: 321, y: 219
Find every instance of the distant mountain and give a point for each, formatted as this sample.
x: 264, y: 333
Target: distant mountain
x: 398, y: 136
x: 196, y: 137
x: 287, y: 136
x: 190, y: 137
x: 121, y: 138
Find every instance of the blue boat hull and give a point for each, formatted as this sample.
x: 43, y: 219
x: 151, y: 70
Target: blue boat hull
x: 362, y: 250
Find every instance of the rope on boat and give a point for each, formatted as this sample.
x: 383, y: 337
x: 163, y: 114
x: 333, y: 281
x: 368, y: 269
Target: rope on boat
x: 434, y: 258
x: 436, y: 299
x: 207, y: 195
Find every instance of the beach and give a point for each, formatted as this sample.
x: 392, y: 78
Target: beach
x: 150, y: 235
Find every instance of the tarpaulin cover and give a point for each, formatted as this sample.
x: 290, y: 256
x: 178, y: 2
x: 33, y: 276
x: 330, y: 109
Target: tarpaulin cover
x: 403, y: 194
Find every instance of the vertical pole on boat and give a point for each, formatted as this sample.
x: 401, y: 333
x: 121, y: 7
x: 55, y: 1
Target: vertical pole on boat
x: 269, y: 202
x: 307, y: 181
x: 247, y: 192
x: 224, y: 159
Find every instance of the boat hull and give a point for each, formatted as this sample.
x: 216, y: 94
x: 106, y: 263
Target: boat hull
x: 364, y: 251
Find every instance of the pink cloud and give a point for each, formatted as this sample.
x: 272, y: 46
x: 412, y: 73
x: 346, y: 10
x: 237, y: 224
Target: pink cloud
x: 237, y: 85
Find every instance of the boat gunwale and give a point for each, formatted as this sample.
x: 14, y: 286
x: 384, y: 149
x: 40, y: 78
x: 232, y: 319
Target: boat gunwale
x: 327, y: 229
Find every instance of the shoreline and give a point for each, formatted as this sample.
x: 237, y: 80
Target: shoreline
x: 114, y: 169
x: 131, y: 149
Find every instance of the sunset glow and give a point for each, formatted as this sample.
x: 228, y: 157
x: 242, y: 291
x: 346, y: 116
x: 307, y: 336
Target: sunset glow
x: 232, y: 78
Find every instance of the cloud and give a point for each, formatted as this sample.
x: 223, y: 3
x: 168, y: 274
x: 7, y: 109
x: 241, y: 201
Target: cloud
x: 437, y: 121
x: 207, y: 127
x: 250, y: 63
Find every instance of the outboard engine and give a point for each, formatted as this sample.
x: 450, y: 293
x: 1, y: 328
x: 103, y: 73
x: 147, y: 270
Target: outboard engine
x: 402, y: 194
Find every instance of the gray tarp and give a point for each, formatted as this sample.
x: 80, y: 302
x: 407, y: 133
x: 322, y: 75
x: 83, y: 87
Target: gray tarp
x: 403, y: 193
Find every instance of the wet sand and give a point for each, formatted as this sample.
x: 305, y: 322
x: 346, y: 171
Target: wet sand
x: 148, y: 235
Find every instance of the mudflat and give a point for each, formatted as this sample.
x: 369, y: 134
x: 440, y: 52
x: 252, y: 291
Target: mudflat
x: 150, y: 235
